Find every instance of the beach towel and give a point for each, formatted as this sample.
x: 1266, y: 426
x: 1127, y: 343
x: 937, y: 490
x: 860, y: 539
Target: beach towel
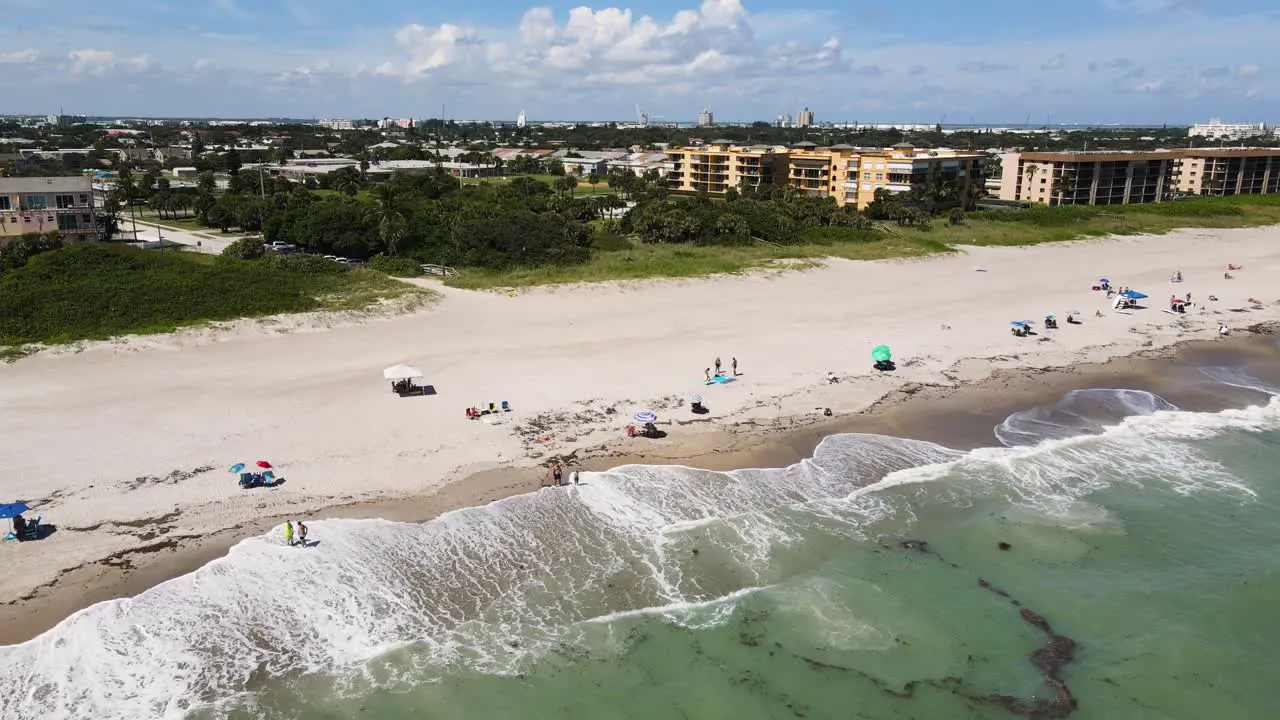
x: 722, y: 379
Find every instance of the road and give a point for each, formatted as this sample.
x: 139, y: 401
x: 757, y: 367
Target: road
x: 211, y: 242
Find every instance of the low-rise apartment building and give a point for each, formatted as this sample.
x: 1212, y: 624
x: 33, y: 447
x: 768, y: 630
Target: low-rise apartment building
x: 1087, y: 178
x: 1120, y: 178
x: 1215, y: 129
x: 721, y: 165
x: 848, y: 174
x: 45, y: 204
x: 1228, y: 171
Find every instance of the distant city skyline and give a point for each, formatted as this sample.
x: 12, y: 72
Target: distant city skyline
x: 996, y: 62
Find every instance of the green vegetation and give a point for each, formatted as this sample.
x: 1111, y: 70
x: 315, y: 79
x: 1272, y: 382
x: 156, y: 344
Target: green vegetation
x: 395, y: 266
x: 1040, y: 224
x: 644, y: 261
x: 97, y: 292
x: 618, y: 256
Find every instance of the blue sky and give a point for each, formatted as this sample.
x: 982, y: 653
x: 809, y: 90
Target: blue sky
x: 994, y: 61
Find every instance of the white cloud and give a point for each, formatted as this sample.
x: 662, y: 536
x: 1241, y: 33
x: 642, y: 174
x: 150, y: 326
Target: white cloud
x: 101, y: 62
x: 20, y: 56
x: 599, y: 60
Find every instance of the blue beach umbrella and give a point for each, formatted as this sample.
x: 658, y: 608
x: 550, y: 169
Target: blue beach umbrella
x: 12, y: 510
x: 238, y: 467
x: 1133, y: 295
x: 1104, y: 281
x: 646, y: 416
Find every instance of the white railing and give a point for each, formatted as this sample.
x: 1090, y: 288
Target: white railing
x: 441, y: 270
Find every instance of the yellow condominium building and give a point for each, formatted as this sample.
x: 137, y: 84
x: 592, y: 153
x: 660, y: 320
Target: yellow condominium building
x: 47, y: 204
x: 1118, y: 178
x: 721, y: 165
x: 848, y: 174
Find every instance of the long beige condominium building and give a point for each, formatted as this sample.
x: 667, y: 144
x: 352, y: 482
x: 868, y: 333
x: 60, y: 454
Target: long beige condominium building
x: 1118, y: 178
x: 849, y: 175
x: 1228, y: 171
x: 1091, y: 178
x: 45, y: 204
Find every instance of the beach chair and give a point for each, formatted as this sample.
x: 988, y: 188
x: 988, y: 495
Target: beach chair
x: 492, y: 408
x: 506, y: 407
x: 32, y: 531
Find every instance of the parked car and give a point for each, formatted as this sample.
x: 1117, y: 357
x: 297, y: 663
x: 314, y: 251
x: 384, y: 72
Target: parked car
x: 280, y: 247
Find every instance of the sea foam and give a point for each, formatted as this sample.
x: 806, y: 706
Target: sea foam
x: 490, y: 588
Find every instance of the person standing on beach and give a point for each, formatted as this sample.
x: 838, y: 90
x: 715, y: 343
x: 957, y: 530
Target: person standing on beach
x: 288, y: 533
x: 707, y: 373
x: 302, y: 534
x: 733, y: 363
x: 717, y: 366
x: 557, y: 474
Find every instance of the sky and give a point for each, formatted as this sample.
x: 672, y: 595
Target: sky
x: 991, y: 61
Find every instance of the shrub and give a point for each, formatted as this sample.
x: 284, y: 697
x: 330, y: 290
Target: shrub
x: 395, y: 266
x: 250, y: 248
x: 606, y: 240
x: 97, y: 291
x: 833, y: 235
x: 306, y: 264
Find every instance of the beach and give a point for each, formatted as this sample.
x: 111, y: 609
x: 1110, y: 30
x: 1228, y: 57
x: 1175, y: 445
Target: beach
x: 124, y: 446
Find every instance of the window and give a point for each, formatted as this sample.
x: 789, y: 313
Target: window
x: 4, y: 203
x: 34, y: 202
x: 86, y: 219
x: 866, y: 176
x: 65, y: 201
x: 84, y: 199
x: 880, y: 176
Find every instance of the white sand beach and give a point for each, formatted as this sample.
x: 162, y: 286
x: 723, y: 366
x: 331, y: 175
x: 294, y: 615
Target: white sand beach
x: 125, y: 446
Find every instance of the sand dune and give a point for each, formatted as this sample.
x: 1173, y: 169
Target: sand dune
x: 125, y: 445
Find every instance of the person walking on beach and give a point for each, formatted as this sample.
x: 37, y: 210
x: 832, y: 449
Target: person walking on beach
x: 707, y: 373
x: 557, y: 473
x: 733, y: 363
x: 302, y: 534
x: 288, y: 533
x: 717, y: 366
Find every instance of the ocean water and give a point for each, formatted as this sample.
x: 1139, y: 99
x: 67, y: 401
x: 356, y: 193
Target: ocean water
x: 1108, y: 556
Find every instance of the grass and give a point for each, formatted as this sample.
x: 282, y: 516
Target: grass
x: 683, y: 261
x: 583, y: 188
x: 95, y: 292
x: 1059, y: 224
x: 625, y: 259
x: 187, y: 223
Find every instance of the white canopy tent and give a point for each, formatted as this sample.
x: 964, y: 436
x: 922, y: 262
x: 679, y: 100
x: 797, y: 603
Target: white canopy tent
x: 402, y: 372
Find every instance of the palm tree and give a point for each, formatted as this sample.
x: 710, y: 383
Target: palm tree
x: 387, y: 214
x: 1063, y: 185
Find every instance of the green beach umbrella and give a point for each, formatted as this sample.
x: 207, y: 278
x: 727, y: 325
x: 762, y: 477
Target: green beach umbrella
x: 881, y: 353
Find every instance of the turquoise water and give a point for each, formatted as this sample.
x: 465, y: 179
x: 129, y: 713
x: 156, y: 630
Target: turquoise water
x: 859, y: 584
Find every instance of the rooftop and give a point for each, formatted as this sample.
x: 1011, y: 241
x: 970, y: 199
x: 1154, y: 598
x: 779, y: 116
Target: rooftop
x: 76, y: 183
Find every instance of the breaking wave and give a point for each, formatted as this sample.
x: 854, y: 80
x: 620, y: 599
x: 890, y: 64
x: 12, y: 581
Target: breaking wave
x: 490, y: 588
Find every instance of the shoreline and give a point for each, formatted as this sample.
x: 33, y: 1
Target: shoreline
x: 124, y: 447
x: 960, y: 416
